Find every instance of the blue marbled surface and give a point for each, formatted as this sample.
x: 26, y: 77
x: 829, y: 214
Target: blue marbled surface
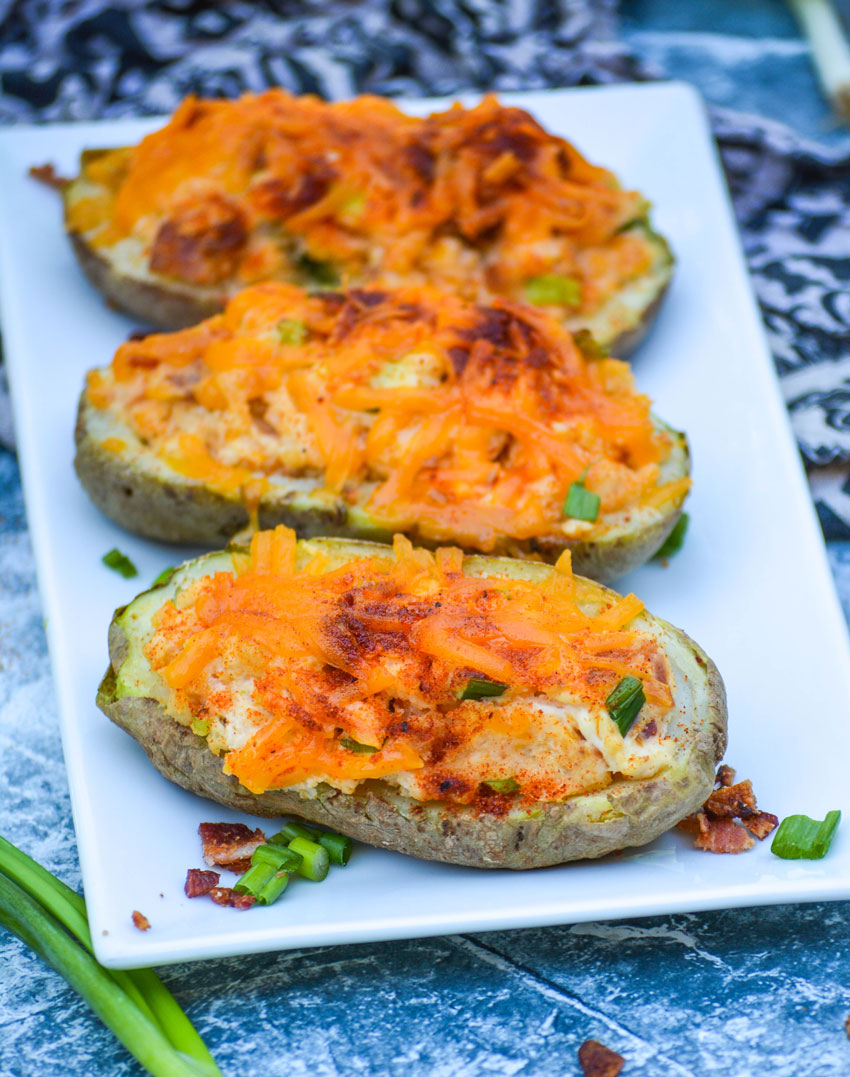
x: 745, y: 992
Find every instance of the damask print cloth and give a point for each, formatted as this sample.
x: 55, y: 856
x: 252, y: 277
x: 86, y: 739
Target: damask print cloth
x: 89, y: 59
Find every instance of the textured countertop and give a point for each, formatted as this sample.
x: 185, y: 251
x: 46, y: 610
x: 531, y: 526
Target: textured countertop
x: 745, y: 992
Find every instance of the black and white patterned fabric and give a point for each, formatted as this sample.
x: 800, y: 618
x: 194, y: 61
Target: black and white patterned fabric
x: 85, y: 59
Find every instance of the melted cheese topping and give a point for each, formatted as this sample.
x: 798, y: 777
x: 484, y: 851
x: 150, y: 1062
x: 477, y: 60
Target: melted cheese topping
x: 415, y: 409
x: 307, y: 673
x: 479, y: 201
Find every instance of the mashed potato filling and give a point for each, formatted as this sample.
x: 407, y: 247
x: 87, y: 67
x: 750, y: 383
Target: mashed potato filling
x: 477, y: 201
x: 414, y: 409
x: 407, y: 666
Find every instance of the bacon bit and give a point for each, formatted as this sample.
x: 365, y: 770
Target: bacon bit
x: 715, y: 827
x: 847, y: 1025
x: 227, y: 897
x: 200, y: 882
x: 226, y: 844
x: 725, y: 775
x: 721, y: 836
x: 48, y: 175
x: 141, y: 921
x: 238, y: 866
x: 597, y: 1060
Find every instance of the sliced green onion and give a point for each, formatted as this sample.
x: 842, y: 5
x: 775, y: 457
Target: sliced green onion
x: 503, y: 785
x: 164, y: 576
x: 120, y: 563
x: 589, y: 346
x: 550, y: 289
x: 481, y: 688
x: 355, y: 746
x: 353, y: 206
x: 280, y: 858
x: 338, y: 847
x: 292, y: 830
x: 674, y: 541
x: 802, y: 838
x: 273, y: 888
x: 255, y: 878
x: 315, y: 859
x: 625, y: 701
x: 292, y: 331
x: 321, y: 274
x: 200, y: 726
x: 581, y: 503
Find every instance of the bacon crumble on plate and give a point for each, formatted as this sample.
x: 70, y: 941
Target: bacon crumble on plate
x: 140, y: 921
x: 198, y: 882
x: 597, y: 1060
x: 715, y: 826
x: 229, y: 845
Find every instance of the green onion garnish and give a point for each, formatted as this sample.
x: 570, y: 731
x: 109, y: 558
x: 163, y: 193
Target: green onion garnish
x: 802, y: 838
x: 338, y: 847
x: 120, y: 563
x: 503, y: 785
x: 200, y: 726
x: 589, y: 346
x: 673, y: 542
x: 553, y: 290
x: 581, y: 503
x: 292, y: 331
x: 278, y: 856
x: 481, y: 688
x: 164, y: 576
x: 318, y: 273
x: 315, y: 861
x: 273, y: 888
x: 255, y: 878
x: 355, y: 746
x: 624, y: 703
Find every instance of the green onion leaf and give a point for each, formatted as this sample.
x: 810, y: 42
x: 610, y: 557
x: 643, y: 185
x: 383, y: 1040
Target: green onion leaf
x: 503, y: 785
x: 481, y: 688
x: 164, y: 576
x: 280, y: 858
x: 589, y: 346
x: 624, y: 703
x: 338, y: 847
x: 315, y: 861
x: 273, y: 888
x: 120, y: 563
x: 290, y: 831
x: 255, y: 878
x: 802, y: 838
x: 319, y: 274
x: 581, y: 504
x: 553, y: 290
x: 200, y: 726
x: 355, y: 746
x: 292, y: 331
x: 674, y: 541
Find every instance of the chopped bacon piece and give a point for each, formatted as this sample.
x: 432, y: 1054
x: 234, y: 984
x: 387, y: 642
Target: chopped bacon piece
x: 141, y: 921
x: 226, y: 844
x: 597, y: 1060
x: 200, y: 882
x: 732, y: 801
x: 238, y: 866
x: 200, y: 243
x: 225, y: 895
x: 721, y: 836
x: 715, y: 827
x: 847, y: 1025
x: 761, y: 824
x: 48, y: 175
x: 725, y: 775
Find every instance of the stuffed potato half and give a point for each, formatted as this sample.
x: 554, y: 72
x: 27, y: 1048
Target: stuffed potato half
x: 479, y: 201
x: 369, y: 412
x: 456, y: 709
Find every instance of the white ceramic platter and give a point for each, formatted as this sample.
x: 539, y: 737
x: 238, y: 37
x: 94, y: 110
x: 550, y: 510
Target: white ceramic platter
x: 752, y: 584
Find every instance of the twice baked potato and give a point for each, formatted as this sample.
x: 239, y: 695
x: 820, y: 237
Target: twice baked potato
x: 480, y: 202
x: 369, y: 412
x: 474, y: 710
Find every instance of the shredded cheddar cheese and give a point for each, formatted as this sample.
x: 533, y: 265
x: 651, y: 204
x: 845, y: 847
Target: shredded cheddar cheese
x: 460, y: 422
x: 287, y: 662
x: 479, y: 201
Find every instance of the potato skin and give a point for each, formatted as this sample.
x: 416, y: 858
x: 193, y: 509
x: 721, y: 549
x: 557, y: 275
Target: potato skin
x: 637, y: 811
x: 182, y: 510
x: 166, y: 304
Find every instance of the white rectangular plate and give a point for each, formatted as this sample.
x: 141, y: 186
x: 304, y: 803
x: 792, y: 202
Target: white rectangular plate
x: 751, y: 585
